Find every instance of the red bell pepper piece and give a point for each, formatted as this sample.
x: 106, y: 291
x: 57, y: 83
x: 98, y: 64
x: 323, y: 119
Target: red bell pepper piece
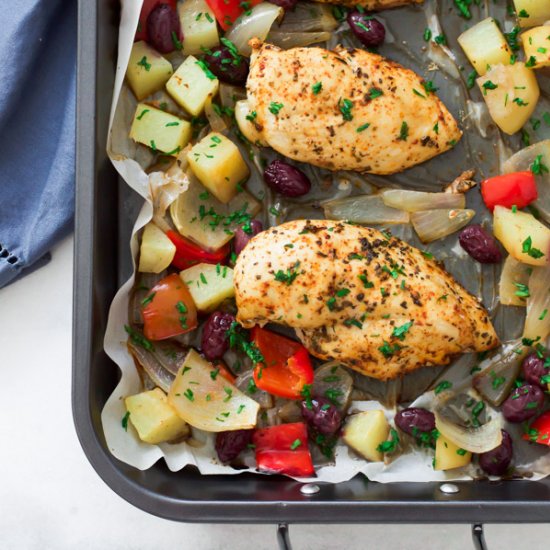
x: 287, y: 368
x: 283, y: 450
x: 189, y: 253
x: 146, y: 9
x: 539, y: 431
x: 168, y: 309
x: 228, y: 11
x: 517, y: 189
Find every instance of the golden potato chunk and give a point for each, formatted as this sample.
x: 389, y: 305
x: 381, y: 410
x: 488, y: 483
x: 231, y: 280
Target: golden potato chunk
x: 159, y: 130
x: 365, y: 431
x: 485, y: 46
x: 209, y: 285
x: 153, y: 418
x: 449, y: 456
x: 219, y: 165
x: 536, y: 43
x: 147, y: 70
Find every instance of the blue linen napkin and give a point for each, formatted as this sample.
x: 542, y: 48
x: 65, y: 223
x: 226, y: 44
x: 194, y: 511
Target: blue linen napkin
x: 37, y: 135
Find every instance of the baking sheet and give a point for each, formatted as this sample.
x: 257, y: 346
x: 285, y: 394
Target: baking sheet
x: 482, y: 148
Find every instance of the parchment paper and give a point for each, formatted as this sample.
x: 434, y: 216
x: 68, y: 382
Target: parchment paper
x: 480, y: 149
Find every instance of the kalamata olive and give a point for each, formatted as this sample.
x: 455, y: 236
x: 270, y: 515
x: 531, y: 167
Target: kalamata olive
x: 480, y: 245
x: 534, y: 369
x: 523, y: 403
x: 214, y: 341
x: 242, y: 237
x: 286, y: 179
x: 496, y: 462
x: 415, y: 420
x: 368, y: 30
x: 322, y: 415
x: 285, y: 4
x: 230, y: 444
x: 226, y: 63
x: 163, y: 28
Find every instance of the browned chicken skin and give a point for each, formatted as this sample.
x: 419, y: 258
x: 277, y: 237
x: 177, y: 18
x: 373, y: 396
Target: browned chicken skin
x: 358, y: 296
x: 345, y: 109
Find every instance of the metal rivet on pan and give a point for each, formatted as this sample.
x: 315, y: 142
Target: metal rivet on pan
x: 449, y: 488
x: 309, y: 489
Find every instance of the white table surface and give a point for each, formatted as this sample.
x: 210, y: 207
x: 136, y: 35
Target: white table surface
x: 51, y: 498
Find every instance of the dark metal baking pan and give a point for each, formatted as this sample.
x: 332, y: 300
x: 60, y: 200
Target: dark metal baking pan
x: 105, y: 211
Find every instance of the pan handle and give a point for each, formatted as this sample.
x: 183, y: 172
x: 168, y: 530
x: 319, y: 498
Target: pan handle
x: 283, y: 537
x: 477, y: 537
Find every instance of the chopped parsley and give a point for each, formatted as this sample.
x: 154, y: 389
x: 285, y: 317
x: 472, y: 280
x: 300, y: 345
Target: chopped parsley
x: 295, y: 444
x: 527, y: 248
x: 362, y: 127
x: 531, y: 62
x: 237, y: 339
x: 427, y: 34
x: 138, y: 338
x: 391, y: 445
x: 375, y: 92
x: 522, y: 290
x: 275, y: 107
x: 538, y: 167
x: 124, y: 421
x: 489, y: 85
x: 345, y: 106
x: 404, y: 131
x: 442, y: 386
x: 387, y: 350
x: 289, y: 276
x: 189, y: 394
x: 142, y: 113
x: 148, y: 299
x: 209, y: 74
x: 143, y: 63
x: 400, y: 332
x: 317, y: 87
x: 471, y: 80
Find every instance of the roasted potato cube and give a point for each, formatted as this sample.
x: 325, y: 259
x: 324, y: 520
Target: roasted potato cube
x: 485, y: 46
x: 191, y: 85
x: 365, y: 431
x: 449, y: 456
x: 198, y: 25
x: 209, y: 285
x: 219, y: 165
x: 511, y: 93
x: 536, y: 43
x: 153, y: 418
x: 157, y: 250
x: 209, y: 231
x: 159, y: 130
x: 532, y: 12
x: 147, y: 70
x: 525, y: 238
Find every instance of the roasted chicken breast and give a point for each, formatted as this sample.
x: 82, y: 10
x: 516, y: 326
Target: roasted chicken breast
x: 358, y: 296
x: 344, y: 110
x: 372, y: 4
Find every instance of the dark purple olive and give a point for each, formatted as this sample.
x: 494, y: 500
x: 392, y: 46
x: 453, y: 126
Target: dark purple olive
x: 480, y: 245
x: 214, y: 341
x: 523, y: 403
x: 285, y: 4
x: 368, y: 30
x: 322, y: 415
x: 534, y: 369
x: 242, y: 237
x: 163, y: 28
x: 286, y: 179
x: 415, y: 421
x: 226, y: 63
x: 230, y: 444
x: 496, y: 462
